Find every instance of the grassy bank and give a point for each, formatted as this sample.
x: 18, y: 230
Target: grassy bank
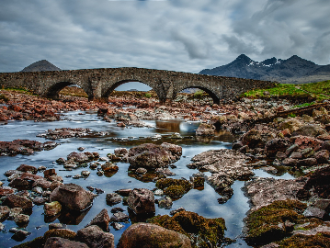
x: 310, y: 92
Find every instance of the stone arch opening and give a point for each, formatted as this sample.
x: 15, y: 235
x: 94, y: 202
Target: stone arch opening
x: 147, y: 91
x: 215, y: 98
x: 66, y: 89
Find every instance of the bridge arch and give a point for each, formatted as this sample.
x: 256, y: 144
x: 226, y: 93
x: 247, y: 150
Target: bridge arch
x: 212, y: 94
x: 106, y: 93
x: 54, y: 89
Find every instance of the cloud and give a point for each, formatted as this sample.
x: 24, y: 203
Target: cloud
x: 176, y: 35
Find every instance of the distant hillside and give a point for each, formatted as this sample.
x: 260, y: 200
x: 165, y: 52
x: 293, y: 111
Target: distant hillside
x: 42, y: 65
x: 293, y: 70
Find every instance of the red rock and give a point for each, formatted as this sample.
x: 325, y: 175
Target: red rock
x: 141, y: 201
x: 14, y: 201
x: 72, y: 196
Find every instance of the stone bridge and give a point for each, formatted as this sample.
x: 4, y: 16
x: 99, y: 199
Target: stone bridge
x: 99, y: 83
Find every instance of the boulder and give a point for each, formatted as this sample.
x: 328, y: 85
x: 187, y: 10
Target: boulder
x: 310, y: 130
x: 121, y: 152
x: 145, y: 235
x: 57, y: 242
x: 27, y: 168
x: 113, y: 199
x: 95, y: 237
x: 205, y: 130
x: 276, y: 145
x: 141, y: 201
x: 72, y: 197
x: 21, y: 219
x: 153, y: 156
x: 101, y: 220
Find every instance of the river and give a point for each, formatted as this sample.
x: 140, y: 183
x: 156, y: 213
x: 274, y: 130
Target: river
x: 204, y: 202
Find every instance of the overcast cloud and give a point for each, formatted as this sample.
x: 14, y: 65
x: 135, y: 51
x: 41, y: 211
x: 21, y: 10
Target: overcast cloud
x: 179, y: 35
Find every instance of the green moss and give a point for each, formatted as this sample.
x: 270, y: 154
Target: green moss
x: 36, y: 243
x: 174, y: 191
x: 174, y: 188
x: 194, y: 226
x: 267, y: 223
x: 302, y: 241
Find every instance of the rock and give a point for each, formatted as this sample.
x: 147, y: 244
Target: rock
x: 205, y: 130
x: 174, y: 188
x: 109, y: 167
x: 319, y: 182
x: 117, y: 226
x: 13, y: 201
x: 165, y: 172
x: 119, y: 217
x: 61, y: 233
x: 322, y: 156
x: 143, y: 235
x: 113, y: 199
x: 141, y: 201
x: 78, y: 157
x: 21, y: 184
x: 290, y: 162
x: 57, y: 242
x: 94, y: 237
x: 52, y: 208
x: 27, y: 168
x: 207, y: 232
x: 264, y: 191
x: 85, y: 173
x: 313, y: 212
x: 121, y: 152
x: 310, y: 130
x: 154, y: 156
x: 307, y: 142
x: 101, y: 220
x: 141, y: 171
x: 39, y: 200
x: 21, y: 219
x: 49, y: 173
x: 72, y: 196
x: 274, y: 146
x: 19, y: 234
x: 165, y: 202
x: 53, y: 226
x: 43, y: 183
x: 323, y: 204
x: 308, y: 162
x: 123, y: 192
x: 273, y: 220
x: 4, y: 212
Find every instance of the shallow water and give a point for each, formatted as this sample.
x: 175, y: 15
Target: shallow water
x: 204, y: 202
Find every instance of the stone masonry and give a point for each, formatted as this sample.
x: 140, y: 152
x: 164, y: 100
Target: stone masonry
x: 99, y: 83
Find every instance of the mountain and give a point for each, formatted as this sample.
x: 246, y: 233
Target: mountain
x: 42, y: 65
x: 292, y: 70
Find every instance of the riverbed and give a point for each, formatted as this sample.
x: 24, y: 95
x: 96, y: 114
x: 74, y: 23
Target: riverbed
x: 109, y: 137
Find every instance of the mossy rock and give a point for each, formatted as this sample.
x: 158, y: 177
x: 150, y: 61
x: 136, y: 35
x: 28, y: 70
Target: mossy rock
x: 302, y: 241
x: 202, y: 230
x: 36, y: 243
x: 62, y: 233
x: 174, y: 188
x: 267, y: 224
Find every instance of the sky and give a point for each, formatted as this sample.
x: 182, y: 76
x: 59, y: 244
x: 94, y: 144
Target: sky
x: 177, y: 35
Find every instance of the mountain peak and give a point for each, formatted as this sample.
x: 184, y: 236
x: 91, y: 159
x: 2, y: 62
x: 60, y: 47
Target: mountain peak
x: 243, y: 60
x: 42, y: 65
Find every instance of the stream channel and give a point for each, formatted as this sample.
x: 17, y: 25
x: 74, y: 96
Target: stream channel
x: 204, y: 202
